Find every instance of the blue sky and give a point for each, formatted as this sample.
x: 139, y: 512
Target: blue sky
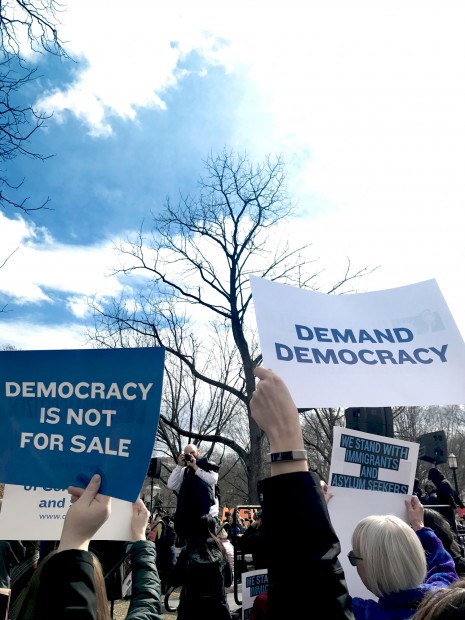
x: 364, y: 100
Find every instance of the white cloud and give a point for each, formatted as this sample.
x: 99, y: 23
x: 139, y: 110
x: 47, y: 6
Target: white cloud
x: 42, y: 263
x: 129, y: 56
x: 79, y: 307
x: 30, y: 336
x: 365, y: 99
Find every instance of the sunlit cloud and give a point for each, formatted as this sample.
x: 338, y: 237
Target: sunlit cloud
x: 41, y: 263
x: 365, y: 101
x: 29, y: 336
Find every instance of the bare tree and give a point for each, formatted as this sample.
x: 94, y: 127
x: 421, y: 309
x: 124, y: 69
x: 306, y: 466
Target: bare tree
x: 409, y: 424
x: 412, y: 422
x: 318, y: 427
x: 195, y: 265
x: 33, y: 23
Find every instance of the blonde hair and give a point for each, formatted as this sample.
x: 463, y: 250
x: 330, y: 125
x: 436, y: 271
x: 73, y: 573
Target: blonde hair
x: 393, y: 556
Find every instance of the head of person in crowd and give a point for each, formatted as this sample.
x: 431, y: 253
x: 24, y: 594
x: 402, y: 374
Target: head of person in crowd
x: 69, y: 582
x: 416, y: 487
x: 443, y: 603
x: 27, y: 610
x: 257, y: 519
x: 435, y: 476
x: 387, y: 536
x: 204, y: 532
x: 430, y: 496
x: 191, y: 451
x: 223, y: 537
x: 222, y: 534
x: 86, y: 515
x: 441, y: 527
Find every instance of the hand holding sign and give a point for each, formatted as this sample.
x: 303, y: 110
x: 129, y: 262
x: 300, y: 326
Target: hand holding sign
x: 415, y: 513
x: 140, y: 518
x: 88, y: 513
x: 275, y: 413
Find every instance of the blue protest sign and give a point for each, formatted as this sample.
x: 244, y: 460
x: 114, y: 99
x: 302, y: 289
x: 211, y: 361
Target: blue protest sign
x: 66, y: 415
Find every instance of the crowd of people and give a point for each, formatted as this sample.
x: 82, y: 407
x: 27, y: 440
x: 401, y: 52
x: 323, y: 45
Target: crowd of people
x: 414, y: 569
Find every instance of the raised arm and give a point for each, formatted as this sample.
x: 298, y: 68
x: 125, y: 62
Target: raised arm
x: 146, y: 598
x: 441, y: 566
x: 67, y: 585
x: 275, y: 412
x: 305, y: 566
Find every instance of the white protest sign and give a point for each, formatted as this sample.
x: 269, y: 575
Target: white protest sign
x: 254, y: 583
x: 370, y: 474
x: 37, y: 513
x: 395, y: 347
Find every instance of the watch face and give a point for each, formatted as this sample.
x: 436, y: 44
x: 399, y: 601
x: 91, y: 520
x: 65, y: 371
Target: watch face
x: 282, y: 456
x: 291, y: 455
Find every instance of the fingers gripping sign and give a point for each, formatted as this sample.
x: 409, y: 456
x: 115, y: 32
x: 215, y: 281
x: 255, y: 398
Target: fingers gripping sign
x: 85, y: 516
x: 274, y: 410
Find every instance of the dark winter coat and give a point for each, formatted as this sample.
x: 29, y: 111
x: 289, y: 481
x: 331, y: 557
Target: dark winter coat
x: 445, y: 492
x: 317, y: 546
x: 204, y: 579
x: 195, y: 497
x: 67, y: 587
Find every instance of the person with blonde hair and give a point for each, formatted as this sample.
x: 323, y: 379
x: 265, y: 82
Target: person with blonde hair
x: 389, y: 537
x: 397, y: 563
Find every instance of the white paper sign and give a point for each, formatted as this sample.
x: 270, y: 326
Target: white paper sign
x: 386, y: 348
x: 369, y: 475
x: 253, y: 583
x: 37, y: 513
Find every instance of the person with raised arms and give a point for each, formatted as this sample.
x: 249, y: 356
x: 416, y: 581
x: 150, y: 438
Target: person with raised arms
x: 307, y: 565
x: 69, y: 583
x: 399, y: 564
